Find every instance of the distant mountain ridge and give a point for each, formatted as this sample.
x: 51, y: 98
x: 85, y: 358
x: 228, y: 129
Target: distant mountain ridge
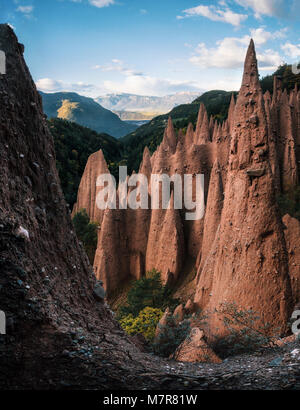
x: 145, y: 107
x: 86, y: 112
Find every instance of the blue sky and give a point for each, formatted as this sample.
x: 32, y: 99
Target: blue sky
x: 150, y: 47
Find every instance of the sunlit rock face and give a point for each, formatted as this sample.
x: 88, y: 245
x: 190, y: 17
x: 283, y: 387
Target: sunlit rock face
x: 239, y: 247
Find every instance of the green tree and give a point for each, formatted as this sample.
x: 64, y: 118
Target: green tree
x: 289, y: 202
x: 73, y: 145
x: 147, y: 292
x: 171, y: 335
x: 86, y: 232
x: 288, y: 78
x: 145, y: 323
x: 246, y: 332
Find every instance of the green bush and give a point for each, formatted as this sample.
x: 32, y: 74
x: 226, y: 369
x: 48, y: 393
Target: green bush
x: 147, y: 292
x: 289, y: 202
x: 245, y: 333
x: 145, y: 323
x: 86, y: 232
x: 171, y: 336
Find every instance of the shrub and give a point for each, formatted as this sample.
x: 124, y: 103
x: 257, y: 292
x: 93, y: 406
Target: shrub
x: 147, y: 292
x: 245, y: 333
x: 86, y: 232
x: 289, y: 202
x: 145, y: 323
x: 171, y: 336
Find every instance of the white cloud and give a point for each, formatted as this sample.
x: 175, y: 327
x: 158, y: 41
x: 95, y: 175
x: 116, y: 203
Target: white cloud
x: 101, y: 3
x: 230, y: 83
x: 48, y: 85
x: 97, y: 3
x: 230, y: 54
x: 269, y: 60
x: 25, y: 9
x: 142, y: 85
x: 117, y: 65
x: 136, y: 82
x: 147, y: 85
x: 261, y: 36
x: 215, y: 14
x: 291, y: 50
x: 272, y: 8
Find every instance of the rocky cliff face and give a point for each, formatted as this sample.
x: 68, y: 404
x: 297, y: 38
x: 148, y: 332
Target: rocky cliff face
x: 250, y: 266
x: 240, y: 248
x: 88, y: 190
x: 55, y: 325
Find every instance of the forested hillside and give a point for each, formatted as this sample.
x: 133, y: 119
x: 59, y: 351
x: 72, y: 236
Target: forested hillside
x: 285, y: 74
x: 86, y: 112
x: 73, y: 145
x: 216, y: 102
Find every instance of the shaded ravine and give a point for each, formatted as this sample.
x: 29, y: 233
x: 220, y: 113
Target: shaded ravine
x: 46, y: 282
x: 59, y: 336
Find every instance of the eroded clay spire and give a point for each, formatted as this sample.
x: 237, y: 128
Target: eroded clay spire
x: 199, y: 122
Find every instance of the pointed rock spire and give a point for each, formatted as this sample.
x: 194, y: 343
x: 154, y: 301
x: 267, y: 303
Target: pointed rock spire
x: 231, y: 112
x: 288, y: 150
x: 225, y: 130
x: 165, y: 249
x: 204, y: 135
x: 88, y: 190
x: 273, y: 148
x: 111, y: 270
x: 181, y: 142
x: 290, y: 169
x: 218, y: 133
x: 189, y: 138
x: 295, y: 110
x: 213, y: 211
x: 251, y: 76
x: 268, y: 97
x: 199, y: 122
x: 277, y: 89
x: 215, y: 132
x: 250, y: 223
x: 169, y: 139
x: 145, y: 167
x: 211, y: 126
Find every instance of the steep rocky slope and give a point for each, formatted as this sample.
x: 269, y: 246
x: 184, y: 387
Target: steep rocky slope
x: 58, y: 334
x: 240, y: 247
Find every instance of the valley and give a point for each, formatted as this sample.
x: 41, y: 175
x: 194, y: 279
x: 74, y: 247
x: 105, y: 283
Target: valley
x: 145, y: 299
